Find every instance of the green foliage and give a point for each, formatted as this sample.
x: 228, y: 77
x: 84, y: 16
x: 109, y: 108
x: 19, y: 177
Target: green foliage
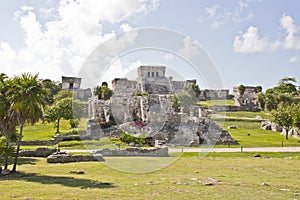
x: 27, y: 100
x: 283, y: 94
x: 241, y: 89
x: 128, y: 138
x: 286, y: 116
x: 258, y: 89
x: 53, y: 88
x: 64, y: 107
x: 144, y: 94
x: 287, y: 86
x: 63, y: 94
x: 261, y: 100
x: 103, y: 92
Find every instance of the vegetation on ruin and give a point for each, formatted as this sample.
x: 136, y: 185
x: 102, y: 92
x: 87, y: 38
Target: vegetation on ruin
x: 103, y: 91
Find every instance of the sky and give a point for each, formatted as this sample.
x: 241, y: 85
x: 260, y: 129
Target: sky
x: 250, y: 42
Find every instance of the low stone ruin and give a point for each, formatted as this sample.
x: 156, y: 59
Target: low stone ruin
x: 39, y: 152
x: 134, y: 151
x: 62, y: 157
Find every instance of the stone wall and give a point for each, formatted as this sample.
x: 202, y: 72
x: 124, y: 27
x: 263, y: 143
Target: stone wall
x: 67, y: 158
x: 124, y: 86
x: 82, y: 94
x: 215, y: 94
x: 39, y: 152
x: 247, y: 99
x: 70, y: 83
x: 134, y: 151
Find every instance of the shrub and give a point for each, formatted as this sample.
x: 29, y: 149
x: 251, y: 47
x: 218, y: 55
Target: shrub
x: 128, y: 138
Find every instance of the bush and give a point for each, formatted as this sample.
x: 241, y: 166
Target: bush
x: 127, y: 138
x: 144, y: 94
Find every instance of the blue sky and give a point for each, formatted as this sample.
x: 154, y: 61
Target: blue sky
x: 251, y: 42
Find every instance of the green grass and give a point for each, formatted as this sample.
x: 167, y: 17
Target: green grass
x: 46, y: 131
x: 258, y: 137
x: 90, y: 144
x: 286, y: 155
x: 216, y: 102
x: 245, y: 114
x: 240, y: 178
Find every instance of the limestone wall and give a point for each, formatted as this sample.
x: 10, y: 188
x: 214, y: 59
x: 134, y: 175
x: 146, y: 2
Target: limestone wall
x: 67, y: 158
x: 246, y: 100
x: 149, y: 152
x: 124, y: 86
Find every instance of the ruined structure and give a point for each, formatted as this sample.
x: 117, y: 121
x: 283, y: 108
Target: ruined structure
x: 72, y: 84
x: 145, y: 106
x: 245, y: 97
x: 215, y: 94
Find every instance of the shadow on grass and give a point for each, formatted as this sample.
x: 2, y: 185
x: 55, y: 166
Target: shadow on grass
x: 21, y: 161
x: 62, y: 180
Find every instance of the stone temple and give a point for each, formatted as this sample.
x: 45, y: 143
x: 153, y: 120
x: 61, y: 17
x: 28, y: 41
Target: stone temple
x: 145, y: 106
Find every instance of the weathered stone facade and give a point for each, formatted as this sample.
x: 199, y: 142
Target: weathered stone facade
x: 215, y: 94
x: 246, y: 99
x: 153, y: 114
x: 72, y: 84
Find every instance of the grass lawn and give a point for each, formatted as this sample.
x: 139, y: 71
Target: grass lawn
x: 245, y: 114
x: 239, y: 178
x: 216, y: 102
x: 258, y: 137
x: 46, y: 131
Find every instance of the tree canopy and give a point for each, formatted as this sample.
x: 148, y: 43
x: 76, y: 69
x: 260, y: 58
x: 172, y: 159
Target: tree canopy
x: 64, y: 107
x: 103, y: 91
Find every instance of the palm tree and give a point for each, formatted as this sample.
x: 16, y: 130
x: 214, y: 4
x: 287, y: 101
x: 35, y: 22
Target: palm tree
x: 7, y: 120
x: 27, y: 96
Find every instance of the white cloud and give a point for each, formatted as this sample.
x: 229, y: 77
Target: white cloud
x: 120, y: 69
x: 168, y: 56
x: 190, y: 48
x: 216, y: 24
x: 72, y: 30
x: 250, y: 42
x: 6, y: 52
x: 293, y: 59
x: 126, y: 27
x: 211, y: 11
x: 220, y: 15
x: 291, y: 41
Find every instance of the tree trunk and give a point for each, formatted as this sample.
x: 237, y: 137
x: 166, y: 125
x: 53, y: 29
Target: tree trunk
x: 14, y: 169
x: 57, y: 127
x: 6, y: 157
x: 287, y: 134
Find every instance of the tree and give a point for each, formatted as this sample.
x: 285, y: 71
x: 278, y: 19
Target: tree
x: 287, y: 86
x: 53, y: 88
x: 261, y: 100
x: 241, y: 89
x: 285, y: 116
x: 8, y: 121
x: 103, y: 92
x: 27, y: 96
x: 64, y: 107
